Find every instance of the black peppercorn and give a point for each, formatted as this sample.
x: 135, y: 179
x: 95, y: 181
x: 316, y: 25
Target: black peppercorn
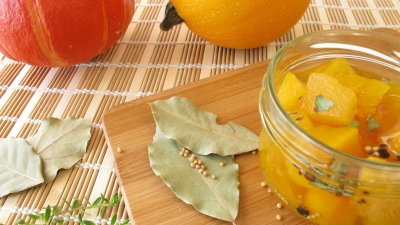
x: 303, y: 211
x: 383, y: 153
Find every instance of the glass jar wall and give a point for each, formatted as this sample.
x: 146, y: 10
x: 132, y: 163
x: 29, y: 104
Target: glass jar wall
x: 318, y: 182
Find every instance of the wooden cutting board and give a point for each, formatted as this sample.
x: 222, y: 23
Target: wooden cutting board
x: 232, y: 96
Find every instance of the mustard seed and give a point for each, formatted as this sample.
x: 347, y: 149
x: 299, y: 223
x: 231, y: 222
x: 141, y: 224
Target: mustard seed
x: 181, y: 153
x: 278, y: 217
x: 203, y: 167
x: 197, y: 166
x: 254, y: 152
x: 192, y: 165
x: 186, y: 151
x: 299, y: 196
x: 191, y: 159
x: 222, y: 164
x: 195, y: 162
x: 375, y: 148
x: 201, y: 170
x: 263, y: 184
x: 205, y: 173
x: 279, y: 205
x: 214, y: 177
x: 185, y: 154
x: 200, y: 162
x: 119, y: 150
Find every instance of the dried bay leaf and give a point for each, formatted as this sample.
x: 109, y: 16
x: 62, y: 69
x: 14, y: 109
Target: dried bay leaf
x: 196, y: 129
x: 20, y: 166
x: 60, y: 144
x: 218, y: 197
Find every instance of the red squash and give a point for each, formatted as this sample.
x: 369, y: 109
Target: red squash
x: 55, y: 33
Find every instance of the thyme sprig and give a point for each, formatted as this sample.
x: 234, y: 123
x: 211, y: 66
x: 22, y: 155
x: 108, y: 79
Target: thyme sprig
x: 53, y: 214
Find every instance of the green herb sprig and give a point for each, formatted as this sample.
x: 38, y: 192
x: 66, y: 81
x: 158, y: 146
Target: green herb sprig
x: 51, y: 214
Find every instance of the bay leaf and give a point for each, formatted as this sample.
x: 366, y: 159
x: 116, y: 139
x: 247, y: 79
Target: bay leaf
x: 60, y: 144
x: 20, y: 166
x: 198, y: 130
x: 218, y: 197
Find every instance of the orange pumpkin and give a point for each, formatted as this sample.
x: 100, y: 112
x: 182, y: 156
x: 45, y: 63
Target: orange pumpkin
x: 59, y: 33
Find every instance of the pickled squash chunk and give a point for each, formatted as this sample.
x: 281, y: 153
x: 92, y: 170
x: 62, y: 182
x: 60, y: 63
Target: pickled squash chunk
x: 367, y: 174
x: 290, y: 91
x: 328, y: 207
x: 352, y: 81
x: 391, y: 99
x: 336, y: 67
x: 345, y: 139
x: 343, y: 98
x: 300, y: 116
x: 378, y: 210
x: 392, y: 139
x: 370, y: 96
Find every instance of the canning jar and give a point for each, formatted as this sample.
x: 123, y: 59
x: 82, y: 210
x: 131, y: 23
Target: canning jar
x: 316, y: 181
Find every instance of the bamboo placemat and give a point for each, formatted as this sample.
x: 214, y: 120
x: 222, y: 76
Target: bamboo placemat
x: 145, y: 61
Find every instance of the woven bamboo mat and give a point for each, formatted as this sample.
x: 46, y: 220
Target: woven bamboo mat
x: 143, y: 62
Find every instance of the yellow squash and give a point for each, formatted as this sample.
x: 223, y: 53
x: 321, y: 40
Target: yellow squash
x: 236, y: 24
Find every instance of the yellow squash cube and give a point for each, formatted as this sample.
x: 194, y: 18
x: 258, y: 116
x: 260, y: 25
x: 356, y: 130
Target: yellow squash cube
x: 336, y: 67
x: 345, y: 139
x: 343, y: 98
x: 300, y: 116
x: 352, y: 81
x: 370, y: 95
x: 290, y: 91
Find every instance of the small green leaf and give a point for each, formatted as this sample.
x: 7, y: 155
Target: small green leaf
x: 125, y: 222
x: 86, y: 200
x: 80, y: 218
x: 20, y: 221
x: 323, y: 104
x: 75, y: 204
x: 115, y: 199
x: 55, y: 209
x: 354, y: 124
x: 372, y: 124
x: 104, y: 199
x: 66, y: 202
x: 87, y: 222
x: 35, y: 217
x: 113, y: 219
x: 47, y: 214
x: 57, y: 220
x: 97, y: 201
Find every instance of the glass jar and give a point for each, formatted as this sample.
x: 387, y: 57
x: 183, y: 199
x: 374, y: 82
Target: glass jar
x: 345, y: 189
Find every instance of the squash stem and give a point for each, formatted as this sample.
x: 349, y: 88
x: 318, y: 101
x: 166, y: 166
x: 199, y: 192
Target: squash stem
x: 171, y: 18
